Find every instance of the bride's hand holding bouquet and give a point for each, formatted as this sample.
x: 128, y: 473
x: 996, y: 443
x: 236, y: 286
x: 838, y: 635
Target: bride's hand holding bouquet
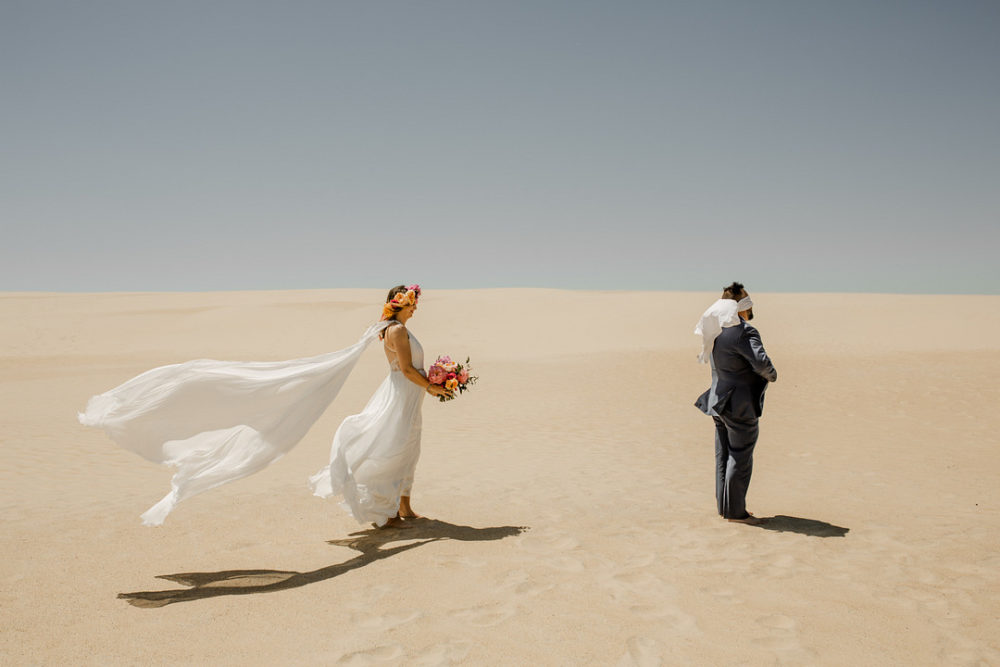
x: 450, y: 376
x: 439, y: 391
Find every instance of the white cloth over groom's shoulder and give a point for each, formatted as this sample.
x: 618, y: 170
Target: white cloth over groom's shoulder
x: 720, y: 315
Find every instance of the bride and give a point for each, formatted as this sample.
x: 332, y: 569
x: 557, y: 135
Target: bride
x: 219, y: 421
x: 375, y: 453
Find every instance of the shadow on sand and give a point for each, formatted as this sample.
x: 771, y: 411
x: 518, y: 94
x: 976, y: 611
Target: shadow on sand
x: 370, y: 543
x: 793, y: 524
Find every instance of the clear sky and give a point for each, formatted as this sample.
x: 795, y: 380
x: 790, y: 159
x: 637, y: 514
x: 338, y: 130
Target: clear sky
x: 215, y: 145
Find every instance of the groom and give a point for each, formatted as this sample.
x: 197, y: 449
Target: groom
x: 741, y: 371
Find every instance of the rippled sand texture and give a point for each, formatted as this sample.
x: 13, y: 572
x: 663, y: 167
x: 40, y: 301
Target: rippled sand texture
x: 570, y: 494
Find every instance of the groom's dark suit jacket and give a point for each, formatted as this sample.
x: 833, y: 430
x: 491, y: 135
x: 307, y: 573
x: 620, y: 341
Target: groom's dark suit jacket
x: 741, y: 370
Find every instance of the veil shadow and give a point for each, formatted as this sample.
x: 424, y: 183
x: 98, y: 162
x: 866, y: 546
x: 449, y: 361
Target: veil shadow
x: 370, y: 543
x: 793, y: 524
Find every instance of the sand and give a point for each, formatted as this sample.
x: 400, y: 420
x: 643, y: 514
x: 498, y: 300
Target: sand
x: 570, y: 493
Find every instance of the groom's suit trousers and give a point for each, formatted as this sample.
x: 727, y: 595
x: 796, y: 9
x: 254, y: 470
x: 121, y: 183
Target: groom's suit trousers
x: 734, y: 444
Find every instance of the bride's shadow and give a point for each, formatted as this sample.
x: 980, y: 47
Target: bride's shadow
x: 370, y: 543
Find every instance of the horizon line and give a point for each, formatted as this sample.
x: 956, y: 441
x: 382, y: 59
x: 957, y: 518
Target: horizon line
x: 41, y: 292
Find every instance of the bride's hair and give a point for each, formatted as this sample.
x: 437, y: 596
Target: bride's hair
x: 398, y: 289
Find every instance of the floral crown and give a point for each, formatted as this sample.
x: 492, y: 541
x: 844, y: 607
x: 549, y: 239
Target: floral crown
x: 400, y: 300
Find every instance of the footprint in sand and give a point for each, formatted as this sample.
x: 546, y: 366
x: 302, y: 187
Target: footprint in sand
x: 637, y: 580
x: 372, y: 656
x: 440, y: 655
x: 239, y: 546
x: 937, y: 603
x: 781, y: 565
x: 521, y: 583
x: 722, y: 593
x: 386, y: 622
x: 566, y: 564
x: 641, y: 652
x: 371, y: 595
x: 779, y: 635
x: 782, y: 560
x: 514, y: 578
x: 625, y: 586
x: 778, y: 623
x: 461, y: 563
x: 378, y: 591
x: 669, y: 618
x: 547, y: 544
x: 532, y: 589
x: 777, y: 643
x: 485, y: 615
x: 640, y: 560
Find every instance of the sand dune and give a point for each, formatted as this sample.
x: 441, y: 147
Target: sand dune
x: 570, y: 494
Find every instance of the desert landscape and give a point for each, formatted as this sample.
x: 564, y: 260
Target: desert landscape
x: 569, y: 496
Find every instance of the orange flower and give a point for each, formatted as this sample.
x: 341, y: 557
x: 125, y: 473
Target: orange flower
x: 404, y: 299
x: 397, y: 303
x: 451, y: 385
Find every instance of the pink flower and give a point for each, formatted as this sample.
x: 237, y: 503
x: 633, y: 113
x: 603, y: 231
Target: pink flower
x: 463, y: 376
x: 452, y: 376
x: 444, y: 360
x: 436, y: 374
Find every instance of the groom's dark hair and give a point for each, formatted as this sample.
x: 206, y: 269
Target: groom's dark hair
x: 736, y: 291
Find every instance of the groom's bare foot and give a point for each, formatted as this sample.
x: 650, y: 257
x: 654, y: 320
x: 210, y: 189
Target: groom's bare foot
x: 750, y: 520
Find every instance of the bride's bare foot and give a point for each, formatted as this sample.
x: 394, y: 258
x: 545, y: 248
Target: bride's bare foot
x: 393, y: 522
x: 405, y: 511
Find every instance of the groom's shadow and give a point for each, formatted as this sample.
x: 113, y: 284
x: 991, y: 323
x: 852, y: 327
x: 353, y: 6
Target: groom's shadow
x: 793, y: 524
x: 369, y: 542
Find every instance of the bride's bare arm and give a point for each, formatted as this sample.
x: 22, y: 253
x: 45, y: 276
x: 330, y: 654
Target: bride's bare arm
x: 398, y: 341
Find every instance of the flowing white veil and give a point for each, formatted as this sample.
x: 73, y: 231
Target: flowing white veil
x: 219, y: 421
x: 720, y: 315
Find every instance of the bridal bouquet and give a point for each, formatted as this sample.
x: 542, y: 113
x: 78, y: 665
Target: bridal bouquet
x: 451, y: 375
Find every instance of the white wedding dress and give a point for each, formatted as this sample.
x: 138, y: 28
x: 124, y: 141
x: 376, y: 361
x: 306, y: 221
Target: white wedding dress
x: 374, y: 453
x: 219, y: 421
